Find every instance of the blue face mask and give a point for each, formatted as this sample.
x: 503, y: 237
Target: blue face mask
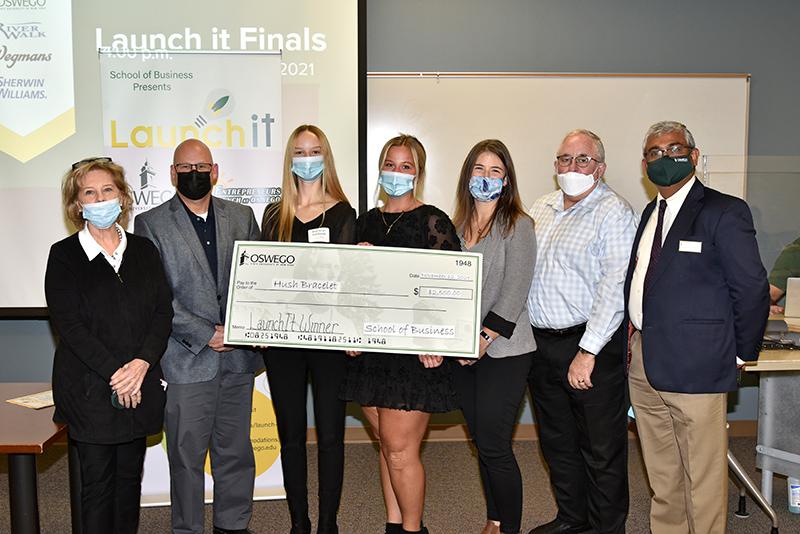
x: 396, y: 184
x: 308, y: 169
x: 102, y: 214
x: 485, y: 189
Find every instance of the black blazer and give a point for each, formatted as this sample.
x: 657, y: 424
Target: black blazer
x: 703, y: 310
x: 103, y: 321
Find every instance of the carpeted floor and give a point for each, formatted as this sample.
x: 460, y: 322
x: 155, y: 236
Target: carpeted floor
x: 454, y: 504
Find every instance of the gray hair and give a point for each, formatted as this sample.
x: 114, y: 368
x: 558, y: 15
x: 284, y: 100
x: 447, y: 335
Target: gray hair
x: 667, y: 127
x: 598, y: 144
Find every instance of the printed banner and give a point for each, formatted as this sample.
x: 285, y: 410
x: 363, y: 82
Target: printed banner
x: 231, y: 101
x: 36, y: 91
x: 266, y: 447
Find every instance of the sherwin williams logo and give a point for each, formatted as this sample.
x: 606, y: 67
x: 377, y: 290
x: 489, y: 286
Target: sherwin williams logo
x: 262, y: 258
x: 22, y: 30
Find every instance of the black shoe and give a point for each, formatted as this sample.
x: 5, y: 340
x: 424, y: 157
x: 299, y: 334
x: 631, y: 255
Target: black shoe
x: 218, y: 530
x: 327, y: 528
x: 422, y: 530
x: 394, y: 528
x: 301, y: 527
x: 557, y: 526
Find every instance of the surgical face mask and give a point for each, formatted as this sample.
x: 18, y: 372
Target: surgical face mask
x: 194, y: 184
x: 574, y: 184
x: 102, y: 214
x: 484, y: 188
x: 396, y: 184
x: 668, y: 171
x: 308, y: 169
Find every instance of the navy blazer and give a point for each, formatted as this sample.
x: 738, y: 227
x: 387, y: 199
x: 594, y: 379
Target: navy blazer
x: 702, y: 310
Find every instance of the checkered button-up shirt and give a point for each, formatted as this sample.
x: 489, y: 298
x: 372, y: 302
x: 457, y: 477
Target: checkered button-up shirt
x: 581, y: 263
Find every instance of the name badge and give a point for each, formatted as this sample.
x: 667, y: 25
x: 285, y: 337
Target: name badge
x: 690, y: 246
x: 319, y: 235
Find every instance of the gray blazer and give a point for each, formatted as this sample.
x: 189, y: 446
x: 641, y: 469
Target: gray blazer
x: 507, y: 274
x: 198, y: 301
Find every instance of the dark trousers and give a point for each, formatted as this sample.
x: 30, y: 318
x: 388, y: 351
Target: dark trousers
x: 111, y: 486
x: 583, y: 434
x: 287, y: 372
x: 490, y: 393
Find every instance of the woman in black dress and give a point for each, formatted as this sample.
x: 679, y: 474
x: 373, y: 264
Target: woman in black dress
x: 111, y: 307
x: 398, y: 392
x: 313, y: 209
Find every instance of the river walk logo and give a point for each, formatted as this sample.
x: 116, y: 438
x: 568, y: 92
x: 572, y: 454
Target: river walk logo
x: 22, y: 30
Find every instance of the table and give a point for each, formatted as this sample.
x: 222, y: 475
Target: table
x: 24, y: 433
x: 778, y: 444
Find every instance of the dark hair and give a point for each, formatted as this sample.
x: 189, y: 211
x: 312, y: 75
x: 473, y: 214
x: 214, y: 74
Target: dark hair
x: 509, y: 206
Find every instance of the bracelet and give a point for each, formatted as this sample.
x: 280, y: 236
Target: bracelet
x: 486, y: 336
x: 584, y: 351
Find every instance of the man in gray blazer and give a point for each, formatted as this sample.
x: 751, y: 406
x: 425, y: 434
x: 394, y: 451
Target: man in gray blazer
x: 210, y: 385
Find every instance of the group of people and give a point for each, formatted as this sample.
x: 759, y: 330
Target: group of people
x: 583, y: 303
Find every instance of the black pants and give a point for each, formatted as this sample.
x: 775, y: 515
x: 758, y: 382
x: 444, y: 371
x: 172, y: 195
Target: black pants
x: 583, y: 434
x: 490, y: 393
x: 287, y: 372
x: 111, y: 486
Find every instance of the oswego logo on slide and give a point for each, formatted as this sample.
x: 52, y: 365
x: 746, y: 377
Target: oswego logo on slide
x: 22, y: 30
x: 263, y: 258
x: 23, y: 4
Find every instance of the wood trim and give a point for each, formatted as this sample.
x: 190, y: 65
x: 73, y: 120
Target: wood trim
x: 523, y: 432
x: 430, y: 74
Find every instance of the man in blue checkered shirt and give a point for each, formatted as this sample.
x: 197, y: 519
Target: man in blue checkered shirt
x: 584, y: 234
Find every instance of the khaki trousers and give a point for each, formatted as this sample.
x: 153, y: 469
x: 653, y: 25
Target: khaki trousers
x: 684, y: 441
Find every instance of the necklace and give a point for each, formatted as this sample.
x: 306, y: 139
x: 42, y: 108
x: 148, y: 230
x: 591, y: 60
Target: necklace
x: 389, y: 226
x: 482, y: 231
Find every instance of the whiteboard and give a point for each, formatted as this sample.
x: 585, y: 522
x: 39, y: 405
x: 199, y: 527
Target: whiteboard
x: 531, y: 113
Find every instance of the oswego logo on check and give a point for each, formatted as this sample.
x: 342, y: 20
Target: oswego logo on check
x: 264, y: 258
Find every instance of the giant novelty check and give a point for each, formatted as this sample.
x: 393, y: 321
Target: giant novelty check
x: 346, y: 297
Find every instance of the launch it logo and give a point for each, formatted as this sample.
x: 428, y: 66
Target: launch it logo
x: 215, y: 124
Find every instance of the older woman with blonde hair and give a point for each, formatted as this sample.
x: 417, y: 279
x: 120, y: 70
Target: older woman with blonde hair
x: 313, y: 209
x: 111, y: 307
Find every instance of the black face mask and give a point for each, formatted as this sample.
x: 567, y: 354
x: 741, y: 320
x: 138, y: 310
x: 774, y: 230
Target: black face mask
x: 194, y: 185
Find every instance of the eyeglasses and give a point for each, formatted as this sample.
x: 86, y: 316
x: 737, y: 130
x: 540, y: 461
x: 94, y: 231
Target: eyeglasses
x: 90, y: 160
x: 187, y: 167
x: 582, y: 161
x: 672, y: 151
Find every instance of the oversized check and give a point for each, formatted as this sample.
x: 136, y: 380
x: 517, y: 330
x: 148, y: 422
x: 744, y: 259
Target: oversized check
x: 371, y: 299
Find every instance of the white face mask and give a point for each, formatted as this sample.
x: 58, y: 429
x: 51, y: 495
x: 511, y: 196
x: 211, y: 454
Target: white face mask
x: 574, y: 184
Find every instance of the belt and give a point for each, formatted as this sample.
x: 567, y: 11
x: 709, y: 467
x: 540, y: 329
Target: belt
x: 561, y: 332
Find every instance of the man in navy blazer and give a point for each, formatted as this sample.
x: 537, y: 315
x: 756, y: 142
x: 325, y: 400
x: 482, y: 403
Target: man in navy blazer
x: 697, y: 298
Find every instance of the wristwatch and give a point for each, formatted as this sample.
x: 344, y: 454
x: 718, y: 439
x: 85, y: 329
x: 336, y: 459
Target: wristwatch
x: 486, y: 336
x: 584, y: 351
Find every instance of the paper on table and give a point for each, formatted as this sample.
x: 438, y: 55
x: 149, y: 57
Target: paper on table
x: 36, y: 400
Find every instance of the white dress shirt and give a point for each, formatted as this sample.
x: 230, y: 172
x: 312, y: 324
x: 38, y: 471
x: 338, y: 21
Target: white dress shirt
x: 581, y: 263
x: 92, y: 248
x: 674, y: 204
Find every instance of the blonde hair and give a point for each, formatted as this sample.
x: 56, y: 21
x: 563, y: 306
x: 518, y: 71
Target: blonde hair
x: 71, y: 186
x: 417, y: 154
x: 278, y: 218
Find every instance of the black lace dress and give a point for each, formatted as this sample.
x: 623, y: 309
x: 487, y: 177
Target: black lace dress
x: 399, y: 380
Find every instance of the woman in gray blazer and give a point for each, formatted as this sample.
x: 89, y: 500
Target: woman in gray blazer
x: 490, y: 219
